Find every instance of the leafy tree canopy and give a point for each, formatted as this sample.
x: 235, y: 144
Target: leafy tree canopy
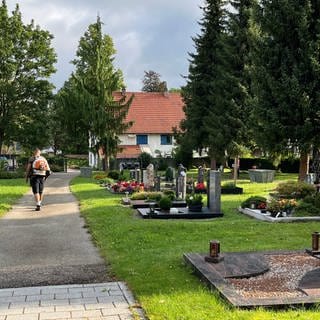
x: 26, y: 62
x: 152, y: 82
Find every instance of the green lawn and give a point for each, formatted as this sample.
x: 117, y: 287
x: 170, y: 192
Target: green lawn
x: 10, y: 191
x: 147, y: 254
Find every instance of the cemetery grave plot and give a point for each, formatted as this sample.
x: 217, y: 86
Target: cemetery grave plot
x: 262, y: 279
x: 182, y: 213
x: 257, y: 214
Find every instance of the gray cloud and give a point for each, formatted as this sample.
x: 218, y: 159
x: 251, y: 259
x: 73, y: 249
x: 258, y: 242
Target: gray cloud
x: 147, y: 34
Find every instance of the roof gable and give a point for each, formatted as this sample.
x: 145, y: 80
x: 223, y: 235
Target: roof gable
x: 154, y: 112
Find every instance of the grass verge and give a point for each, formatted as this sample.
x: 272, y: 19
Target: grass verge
x: 147, y: 254
x: 10, y: 191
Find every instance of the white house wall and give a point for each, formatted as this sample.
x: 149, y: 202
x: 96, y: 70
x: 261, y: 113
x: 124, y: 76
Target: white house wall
x: 154, y: 143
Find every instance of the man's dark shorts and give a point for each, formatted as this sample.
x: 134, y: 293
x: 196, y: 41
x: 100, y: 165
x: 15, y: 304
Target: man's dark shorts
x: 36, y: 183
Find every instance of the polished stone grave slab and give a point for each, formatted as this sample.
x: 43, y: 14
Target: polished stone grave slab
x: 183, y: 213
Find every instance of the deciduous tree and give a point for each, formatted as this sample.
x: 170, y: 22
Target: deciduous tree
x: 26, y: 62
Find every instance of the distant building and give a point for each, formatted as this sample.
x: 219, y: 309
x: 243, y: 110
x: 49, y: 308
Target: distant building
x: 154, y: 115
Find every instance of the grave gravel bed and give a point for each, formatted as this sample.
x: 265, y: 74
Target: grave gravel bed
x: 282, y: 280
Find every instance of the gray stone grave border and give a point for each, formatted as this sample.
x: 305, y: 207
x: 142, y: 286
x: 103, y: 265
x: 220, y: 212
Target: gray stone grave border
x: 266, y: 217
x: 216, y: 282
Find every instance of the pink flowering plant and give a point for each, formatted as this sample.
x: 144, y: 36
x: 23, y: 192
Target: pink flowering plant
x: 127, y: 186
x: 200, y: 188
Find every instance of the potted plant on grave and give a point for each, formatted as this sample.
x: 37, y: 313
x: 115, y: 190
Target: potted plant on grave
x: 194, y: 202
x: 281, y: 207
x: 253, y: 202
x: 165, y: 203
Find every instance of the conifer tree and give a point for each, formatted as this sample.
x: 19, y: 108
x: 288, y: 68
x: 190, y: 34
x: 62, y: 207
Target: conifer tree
x: 286, y: 77
x: 212, y: 115
x: 97, y: 79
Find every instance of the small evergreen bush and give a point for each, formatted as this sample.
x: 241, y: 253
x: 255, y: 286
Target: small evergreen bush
x: 165, y: 203
x: 294, y: 190
x: 170, y: 193
x: 256, y: 200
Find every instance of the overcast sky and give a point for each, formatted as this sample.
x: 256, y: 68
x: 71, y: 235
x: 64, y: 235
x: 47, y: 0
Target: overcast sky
x: 147, y: 34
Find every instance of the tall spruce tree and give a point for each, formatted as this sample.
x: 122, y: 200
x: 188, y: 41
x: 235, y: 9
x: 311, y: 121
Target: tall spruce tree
x: 26, y: 62
x: 212, y: 116
x: 239, y: 20
x: 286, y: 77
x: 97, y: 80
x: 69, y: 126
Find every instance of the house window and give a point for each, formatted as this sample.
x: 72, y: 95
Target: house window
x: 166, y: 139
x: 142, y: 139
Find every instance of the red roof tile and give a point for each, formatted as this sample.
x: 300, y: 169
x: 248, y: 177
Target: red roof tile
x: 154, y: 112
x: 129, y: 152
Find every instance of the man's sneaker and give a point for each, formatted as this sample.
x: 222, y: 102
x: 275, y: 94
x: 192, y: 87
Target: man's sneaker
x: 38, y: 208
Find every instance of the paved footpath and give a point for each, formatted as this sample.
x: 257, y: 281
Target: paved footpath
x: 49, y: 267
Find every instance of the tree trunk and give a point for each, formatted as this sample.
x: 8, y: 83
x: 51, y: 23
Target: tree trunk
x: 1, y: 140
x: 235, y: 170
x: 304, y: 165
x: 213, y: 164
x: 106, y: 163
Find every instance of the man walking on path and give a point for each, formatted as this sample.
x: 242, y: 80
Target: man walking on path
x: 37, y: 171
x: 50, y: 261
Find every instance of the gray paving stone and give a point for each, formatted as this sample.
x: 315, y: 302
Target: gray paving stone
x: 99, y: 306
x: 42, y: 297
x: 6, y: 293
x: 23, y: 317
x: 107, y: 285
x: 86, y: 289
x: 54, y: 290
x: 75, y: 295
x: 111, y: 299
x: 123, y: 304
x: 116, y: 311
x: 5, y: 305
x: 83, y: 301
x: 54, y: 315
x: 13, y: 299
x: 24, y: 304
x: 26, y: 291
x: 126, y: 317
x: 74, y: 307
x: 39, y: 309
x: 4, y: 312
x: 49, y: 303
x: 115, y: 293
x: 86, y: 314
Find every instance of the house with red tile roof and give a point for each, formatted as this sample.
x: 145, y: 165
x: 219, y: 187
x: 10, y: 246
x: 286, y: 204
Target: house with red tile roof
x: 154, y: 115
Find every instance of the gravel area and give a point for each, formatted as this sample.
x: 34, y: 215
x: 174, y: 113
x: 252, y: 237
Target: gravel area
x: 282, y: 280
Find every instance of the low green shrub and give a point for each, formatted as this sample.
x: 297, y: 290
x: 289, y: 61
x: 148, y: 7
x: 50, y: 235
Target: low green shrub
x: 169, y: 174
x: 170, y: 193
x: 256, y: 200
x: 116, y: 175
x: 294, y: 190
x: 56, y: 168
x: 156, y: 196
x: 165, y: 203
x: 306, y: 209
x: 12, y: 174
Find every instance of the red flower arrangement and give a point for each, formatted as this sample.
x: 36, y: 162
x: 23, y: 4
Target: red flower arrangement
x: 125, y: 186
x: 200, y: 188
x: 262, y: 205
